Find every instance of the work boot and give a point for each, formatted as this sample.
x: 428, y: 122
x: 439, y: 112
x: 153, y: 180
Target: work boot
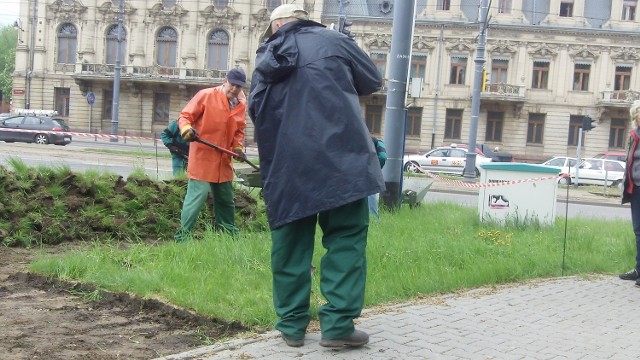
x: 357, y: 338
x: 630, y: 275
x: 292, y: 342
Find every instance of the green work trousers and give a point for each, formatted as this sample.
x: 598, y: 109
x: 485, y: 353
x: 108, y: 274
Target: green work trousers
x: 223, y: 207
x: 343, y: 270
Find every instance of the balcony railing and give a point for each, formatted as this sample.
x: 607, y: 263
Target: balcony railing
x: 619, y: 97
x: 504, y: 90
x: 148, y: 72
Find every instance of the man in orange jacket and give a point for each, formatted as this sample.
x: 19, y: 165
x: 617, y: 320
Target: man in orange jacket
x: 216, y: 115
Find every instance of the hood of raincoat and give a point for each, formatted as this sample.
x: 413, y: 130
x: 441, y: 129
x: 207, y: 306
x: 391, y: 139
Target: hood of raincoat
x: 315, y: 150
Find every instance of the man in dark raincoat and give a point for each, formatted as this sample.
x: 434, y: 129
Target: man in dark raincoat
x: 318, y: 165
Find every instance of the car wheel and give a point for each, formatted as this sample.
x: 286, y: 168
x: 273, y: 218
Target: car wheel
x: 618, y: 184
x: 412, y: 167
x: 41, y: 139
x: 564, y: 180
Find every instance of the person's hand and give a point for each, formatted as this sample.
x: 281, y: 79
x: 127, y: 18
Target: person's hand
x: 240, y: 154
x: 189, y: 134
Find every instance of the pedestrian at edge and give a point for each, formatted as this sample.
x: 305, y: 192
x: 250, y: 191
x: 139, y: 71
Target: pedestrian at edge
x: 177, y: 146
x: 631, y: 190
x: 318, y: 166
x: 216, y: 115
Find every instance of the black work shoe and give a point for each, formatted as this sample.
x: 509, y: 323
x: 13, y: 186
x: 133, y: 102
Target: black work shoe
x: 631, y: 275
x: 357, y: 338
x: 292, y: 342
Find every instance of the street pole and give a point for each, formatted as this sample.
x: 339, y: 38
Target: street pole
x: 470, y: 165
x: 116, y: 77
x: 395, y: 112
x: 578, y: 160
x: 32, y: 43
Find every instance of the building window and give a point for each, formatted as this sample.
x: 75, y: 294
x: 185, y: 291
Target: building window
x: 107, y: 104
x: 535, y: 129
x: 218, y: 51
x: 581, y: 77
x: 220, y: 4
x: 61, y: 101
x: 575, y: 123
x: 167, y: 4
x: 380, y: 60
x: 373, y: 118
x: 272, y: 4
x: 617, y: 133
x: 112, y: 44
x: 495, y: 122
x: 504, y: 6
x: 622, y: 78
x: 453, y: 124
x: 414, y: 121
x: 540, y: 74
x: 418, y: 66
x: 443, y: 5
x: 161, y: 103
x: 458, y: 69
x: 629, y: 10
x: 566, y: 8
x: 499, y: 71
x: 67, y: 42
x: 166, y: 43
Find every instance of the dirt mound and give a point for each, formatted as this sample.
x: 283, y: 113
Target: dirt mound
x: 51, y: 206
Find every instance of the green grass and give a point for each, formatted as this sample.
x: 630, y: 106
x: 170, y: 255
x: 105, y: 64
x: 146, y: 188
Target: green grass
x: 435, y: 248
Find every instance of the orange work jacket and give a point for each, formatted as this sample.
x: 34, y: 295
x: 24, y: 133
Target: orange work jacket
x: 210, y: 114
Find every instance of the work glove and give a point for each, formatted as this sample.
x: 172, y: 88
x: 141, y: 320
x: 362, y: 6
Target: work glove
x: 189, y: 133
x: 240, y: 154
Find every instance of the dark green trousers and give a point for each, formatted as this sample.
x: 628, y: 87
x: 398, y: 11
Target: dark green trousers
x: 343, y: 270
x: 223, y: 207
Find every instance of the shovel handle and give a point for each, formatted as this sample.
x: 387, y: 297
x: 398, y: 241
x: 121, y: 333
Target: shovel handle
x: 198, y: 139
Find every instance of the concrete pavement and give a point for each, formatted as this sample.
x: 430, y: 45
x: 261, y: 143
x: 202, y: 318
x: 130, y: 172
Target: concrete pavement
x: 593, y: 317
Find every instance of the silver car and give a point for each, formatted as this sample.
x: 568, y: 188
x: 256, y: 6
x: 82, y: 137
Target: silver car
x: 599, y: 172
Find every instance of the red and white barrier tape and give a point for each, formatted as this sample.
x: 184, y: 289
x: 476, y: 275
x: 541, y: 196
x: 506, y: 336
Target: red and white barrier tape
x: 63, y: 133
x: 485, y: 185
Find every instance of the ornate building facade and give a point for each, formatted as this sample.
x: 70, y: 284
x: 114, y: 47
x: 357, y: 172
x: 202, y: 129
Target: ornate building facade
x: 548, y: 63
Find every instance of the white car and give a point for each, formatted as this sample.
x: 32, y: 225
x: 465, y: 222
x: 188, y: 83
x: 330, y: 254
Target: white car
x: 446, y: 159
x: 564, y: 163
x: 599, y: 172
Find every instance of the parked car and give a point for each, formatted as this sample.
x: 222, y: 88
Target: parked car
x: 447, y: 159
x: 612, y: 155
x: 495, y: 154
x: 46, y: 130
x: 564, y: 163
x: 599, y: 172
x: 5, y: 115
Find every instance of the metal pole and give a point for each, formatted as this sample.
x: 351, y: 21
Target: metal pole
x: 578, y: 160
x: 32, y: 44
x: 395, y: 123
x: 437, y: 89
x: 116, y: 77
x: 470, y: 165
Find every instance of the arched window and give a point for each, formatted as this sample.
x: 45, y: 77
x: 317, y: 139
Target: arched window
x: 218, y: 50
x: 220, y: 4
x: 166, y: 43
x: 67, y: 43
x: 112, y: 44
x: 272, y: 4
x: 168, y: 4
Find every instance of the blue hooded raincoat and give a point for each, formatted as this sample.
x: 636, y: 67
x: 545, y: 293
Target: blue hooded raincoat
x: 316, y: 152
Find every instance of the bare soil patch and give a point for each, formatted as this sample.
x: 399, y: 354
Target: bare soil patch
x: 50, y: 319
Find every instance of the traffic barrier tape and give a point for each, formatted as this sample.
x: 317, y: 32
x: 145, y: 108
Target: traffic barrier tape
x: 63, y: 133
x: 485, y: 185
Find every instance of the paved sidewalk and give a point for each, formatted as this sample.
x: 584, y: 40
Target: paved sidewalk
x: 591, y: 317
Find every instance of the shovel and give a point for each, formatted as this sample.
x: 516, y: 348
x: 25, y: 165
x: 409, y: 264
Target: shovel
x: 198, y: 139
